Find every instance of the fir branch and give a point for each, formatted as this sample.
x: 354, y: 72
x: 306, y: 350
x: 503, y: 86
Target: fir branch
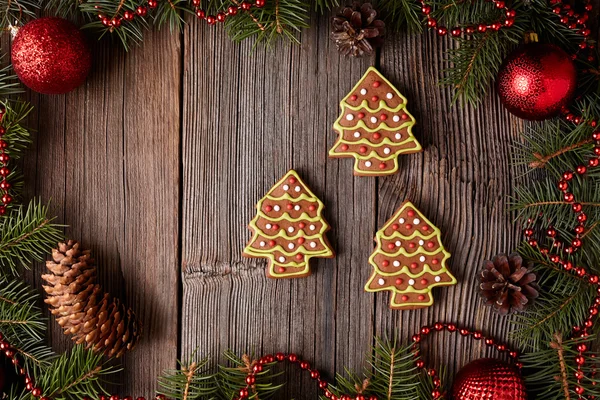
x: 231, y: 377
x: 75, y: 375
x: 557, y: 344
x: 402, y: 13
x: 16, y: 12
x: 9, y: 84
x: 26, y: 235
x: 550, y: 371
x: 17, y: 137
x: 191, y: 381
x: 541, y: 160
x: 19, y: 315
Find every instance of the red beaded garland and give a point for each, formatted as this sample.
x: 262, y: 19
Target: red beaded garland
x: 438, y: 327
x: 507, y: 20
x: 4, y: 170
x: 142, y: 11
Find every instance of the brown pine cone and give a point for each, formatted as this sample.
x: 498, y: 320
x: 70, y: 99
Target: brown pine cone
x: 507, y: 285
x: 356, y: 30
x: 82, y: 309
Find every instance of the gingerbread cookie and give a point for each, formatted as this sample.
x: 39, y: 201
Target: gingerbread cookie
x: 409, y: 260
x: 374, y: 127
x: 289, y: 229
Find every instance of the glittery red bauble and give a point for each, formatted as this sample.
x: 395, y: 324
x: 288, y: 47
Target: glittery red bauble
x: 536, y: 81
x: 489, y: 379
x: 51, y: 56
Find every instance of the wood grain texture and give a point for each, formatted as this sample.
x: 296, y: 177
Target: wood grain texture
x: 157, y: 163
x: 107, y: 157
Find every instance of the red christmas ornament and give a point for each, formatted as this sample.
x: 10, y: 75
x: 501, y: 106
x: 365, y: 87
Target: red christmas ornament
x: 536, y: 81
x: 51, y: 56
x: 489, y: 379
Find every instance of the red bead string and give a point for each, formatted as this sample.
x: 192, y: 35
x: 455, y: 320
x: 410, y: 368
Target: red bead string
x: 577, y: 22
x: 477, y: 335
x: 4, y: 170
x: 12, y: 354
x: 142, y: 11
x: 506, y: 21
x: 304, y: 365
x: 555, y: 256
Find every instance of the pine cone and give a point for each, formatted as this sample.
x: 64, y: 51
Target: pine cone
x: 507, y: 285
x: 356, y: 31
x: 82, y: 309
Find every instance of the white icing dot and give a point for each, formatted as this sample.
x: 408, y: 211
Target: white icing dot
x: 396, y: 263
x: 416, y: 221
x: 297, y: 188
x: 313, y: 244
x: 396, y: 118
x: 291, y: 246
x: 281, y: 259
x: 381, y: 281
x: 411, y: 282
x: 387, y: 150
x: 286, y: 187
x: 421, y: 243
x: 422, y: 258
x: 368, y: 164
x: 350, y: 117
x: 401, y: 220
x: 291, y: 229
x: 312, y: 227
x: 363, y: 91
x: 398, y: 243
x: 297, y: 208
x: 276, y: 208
x: 262, y: 244
x: 374, y: 120
x: 268, y: 226
x: 389, y: 96
x: 398, y: 136
x: 437, y: 279
x: 356, y: 134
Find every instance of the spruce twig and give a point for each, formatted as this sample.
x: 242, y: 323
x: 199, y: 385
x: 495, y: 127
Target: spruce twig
x: 557, y: 344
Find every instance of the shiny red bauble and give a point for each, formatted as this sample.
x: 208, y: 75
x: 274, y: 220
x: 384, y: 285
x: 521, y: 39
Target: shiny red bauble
x: 536, y: 81
x: 489, y: 379
x: 51, y: 56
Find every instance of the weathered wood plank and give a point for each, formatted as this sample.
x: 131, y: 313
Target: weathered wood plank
x: 107, y: 155
x: 459, y: 182
x: 247, y: 120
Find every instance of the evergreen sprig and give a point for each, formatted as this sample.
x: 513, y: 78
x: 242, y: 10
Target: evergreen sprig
x: 75, y: 375
x: 550, y: 371
x: 192, y: 380
x: 26, y: 235
x: 19, y: 314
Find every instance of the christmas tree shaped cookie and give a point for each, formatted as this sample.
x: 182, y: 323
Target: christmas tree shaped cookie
x: 289, y: 229
x: 409, y: 260
x: 374, y: 127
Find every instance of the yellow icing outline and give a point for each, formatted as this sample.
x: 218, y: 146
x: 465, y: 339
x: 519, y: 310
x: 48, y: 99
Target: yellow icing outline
x: 256, y: 232
x: 339, y: 130
x: 385, y: 142
x: 361, y: 125
x: 382, y: 103
x: 376, y: 271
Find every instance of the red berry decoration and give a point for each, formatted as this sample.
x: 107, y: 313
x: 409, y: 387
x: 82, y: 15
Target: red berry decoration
x: 51, y: 56
x: 536, y: 81
x: 488, y: 378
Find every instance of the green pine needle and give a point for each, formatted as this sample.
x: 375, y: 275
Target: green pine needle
x: 27, y: 234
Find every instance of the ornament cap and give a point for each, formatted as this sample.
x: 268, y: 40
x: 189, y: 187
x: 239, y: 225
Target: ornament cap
x: 530, y: 37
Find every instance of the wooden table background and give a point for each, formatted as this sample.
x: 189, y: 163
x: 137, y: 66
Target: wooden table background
x: 156, y: 164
